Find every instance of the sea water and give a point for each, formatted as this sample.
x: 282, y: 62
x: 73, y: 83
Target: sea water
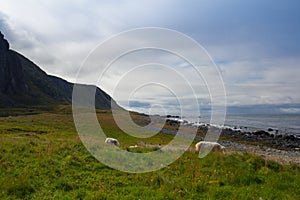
x: 284, y: 123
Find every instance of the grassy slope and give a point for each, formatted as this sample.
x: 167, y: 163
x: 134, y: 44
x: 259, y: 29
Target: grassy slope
x: 41, y: 156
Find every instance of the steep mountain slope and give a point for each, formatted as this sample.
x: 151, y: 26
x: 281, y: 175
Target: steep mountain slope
x: 23, y: 84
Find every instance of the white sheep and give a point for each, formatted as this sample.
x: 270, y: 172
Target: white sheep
x: 133, y: 147
x: 112, y: 141
x: 214, y: 146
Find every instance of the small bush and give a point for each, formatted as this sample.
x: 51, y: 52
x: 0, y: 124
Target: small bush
x: 63, y: 184
x: 201, y: 187
x: 20, y: 189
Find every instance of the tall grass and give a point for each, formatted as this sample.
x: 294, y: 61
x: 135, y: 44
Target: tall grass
x: 41, y: 157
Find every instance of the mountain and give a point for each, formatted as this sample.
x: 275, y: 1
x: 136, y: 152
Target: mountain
x: 24, y: 84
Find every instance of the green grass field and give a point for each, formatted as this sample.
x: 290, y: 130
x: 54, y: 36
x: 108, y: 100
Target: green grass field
x: 42, y: 157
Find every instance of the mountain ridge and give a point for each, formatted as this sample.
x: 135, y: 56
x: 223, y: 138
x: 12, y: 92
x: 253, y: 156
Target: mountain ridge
x: 25, y: 84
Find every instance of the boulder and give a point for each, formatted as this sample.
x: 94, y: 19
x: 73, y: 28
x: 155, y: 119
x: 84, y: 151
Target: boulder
x: 261, y: 133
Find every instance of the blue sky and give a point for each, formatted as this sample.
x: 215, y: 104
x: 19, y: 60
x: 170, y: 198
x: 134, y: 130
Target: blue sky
x: 254, y: 43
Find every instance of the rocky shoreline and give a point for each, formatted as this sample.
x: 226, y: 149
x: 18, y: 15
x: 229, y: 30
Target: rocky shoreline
x: 270, y: 145
x: 283, y: 142
x: 280, y: 156
x: 269, y: 138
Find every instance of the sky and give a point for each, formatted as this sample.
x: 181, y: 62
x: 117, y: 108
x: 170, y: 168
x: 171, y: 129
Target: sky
x: 255, y: 45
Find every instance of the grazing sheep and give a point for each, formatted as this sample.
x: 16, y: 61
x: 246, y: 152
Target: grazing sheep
x: 112, y: 141
x: 133, y: 147
x: 214, y: 146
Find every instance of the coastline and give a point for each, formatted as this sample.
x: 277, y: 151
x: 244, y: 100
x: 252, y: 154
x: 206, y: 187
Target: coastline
x: 268, y: 137
x: 285, y: 157
x: 284, y: 149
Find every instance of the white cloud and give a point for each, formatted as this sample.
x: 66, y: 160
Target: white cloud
x: 258, y: 61
x: 262, y: 81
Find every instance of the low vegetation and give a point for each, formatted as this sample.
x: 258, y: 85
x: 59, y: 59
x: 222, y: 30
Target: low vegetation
x: 41, y: 157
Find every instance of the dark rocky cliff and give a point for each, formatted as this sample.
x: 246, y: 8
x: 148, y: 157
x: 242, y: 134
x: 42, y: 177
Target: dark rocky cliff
x: 24, y: 84
x: 12, y: 80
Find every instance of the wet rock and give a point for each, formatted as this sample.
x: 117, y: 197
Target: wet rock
x: 172, y: 122
x: 261, y: 133
x: 291, y: 137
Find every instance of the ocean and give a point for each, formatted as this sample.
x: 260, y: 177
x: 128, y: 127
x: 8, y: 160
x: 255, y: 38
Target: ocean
x: 284, y: 123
